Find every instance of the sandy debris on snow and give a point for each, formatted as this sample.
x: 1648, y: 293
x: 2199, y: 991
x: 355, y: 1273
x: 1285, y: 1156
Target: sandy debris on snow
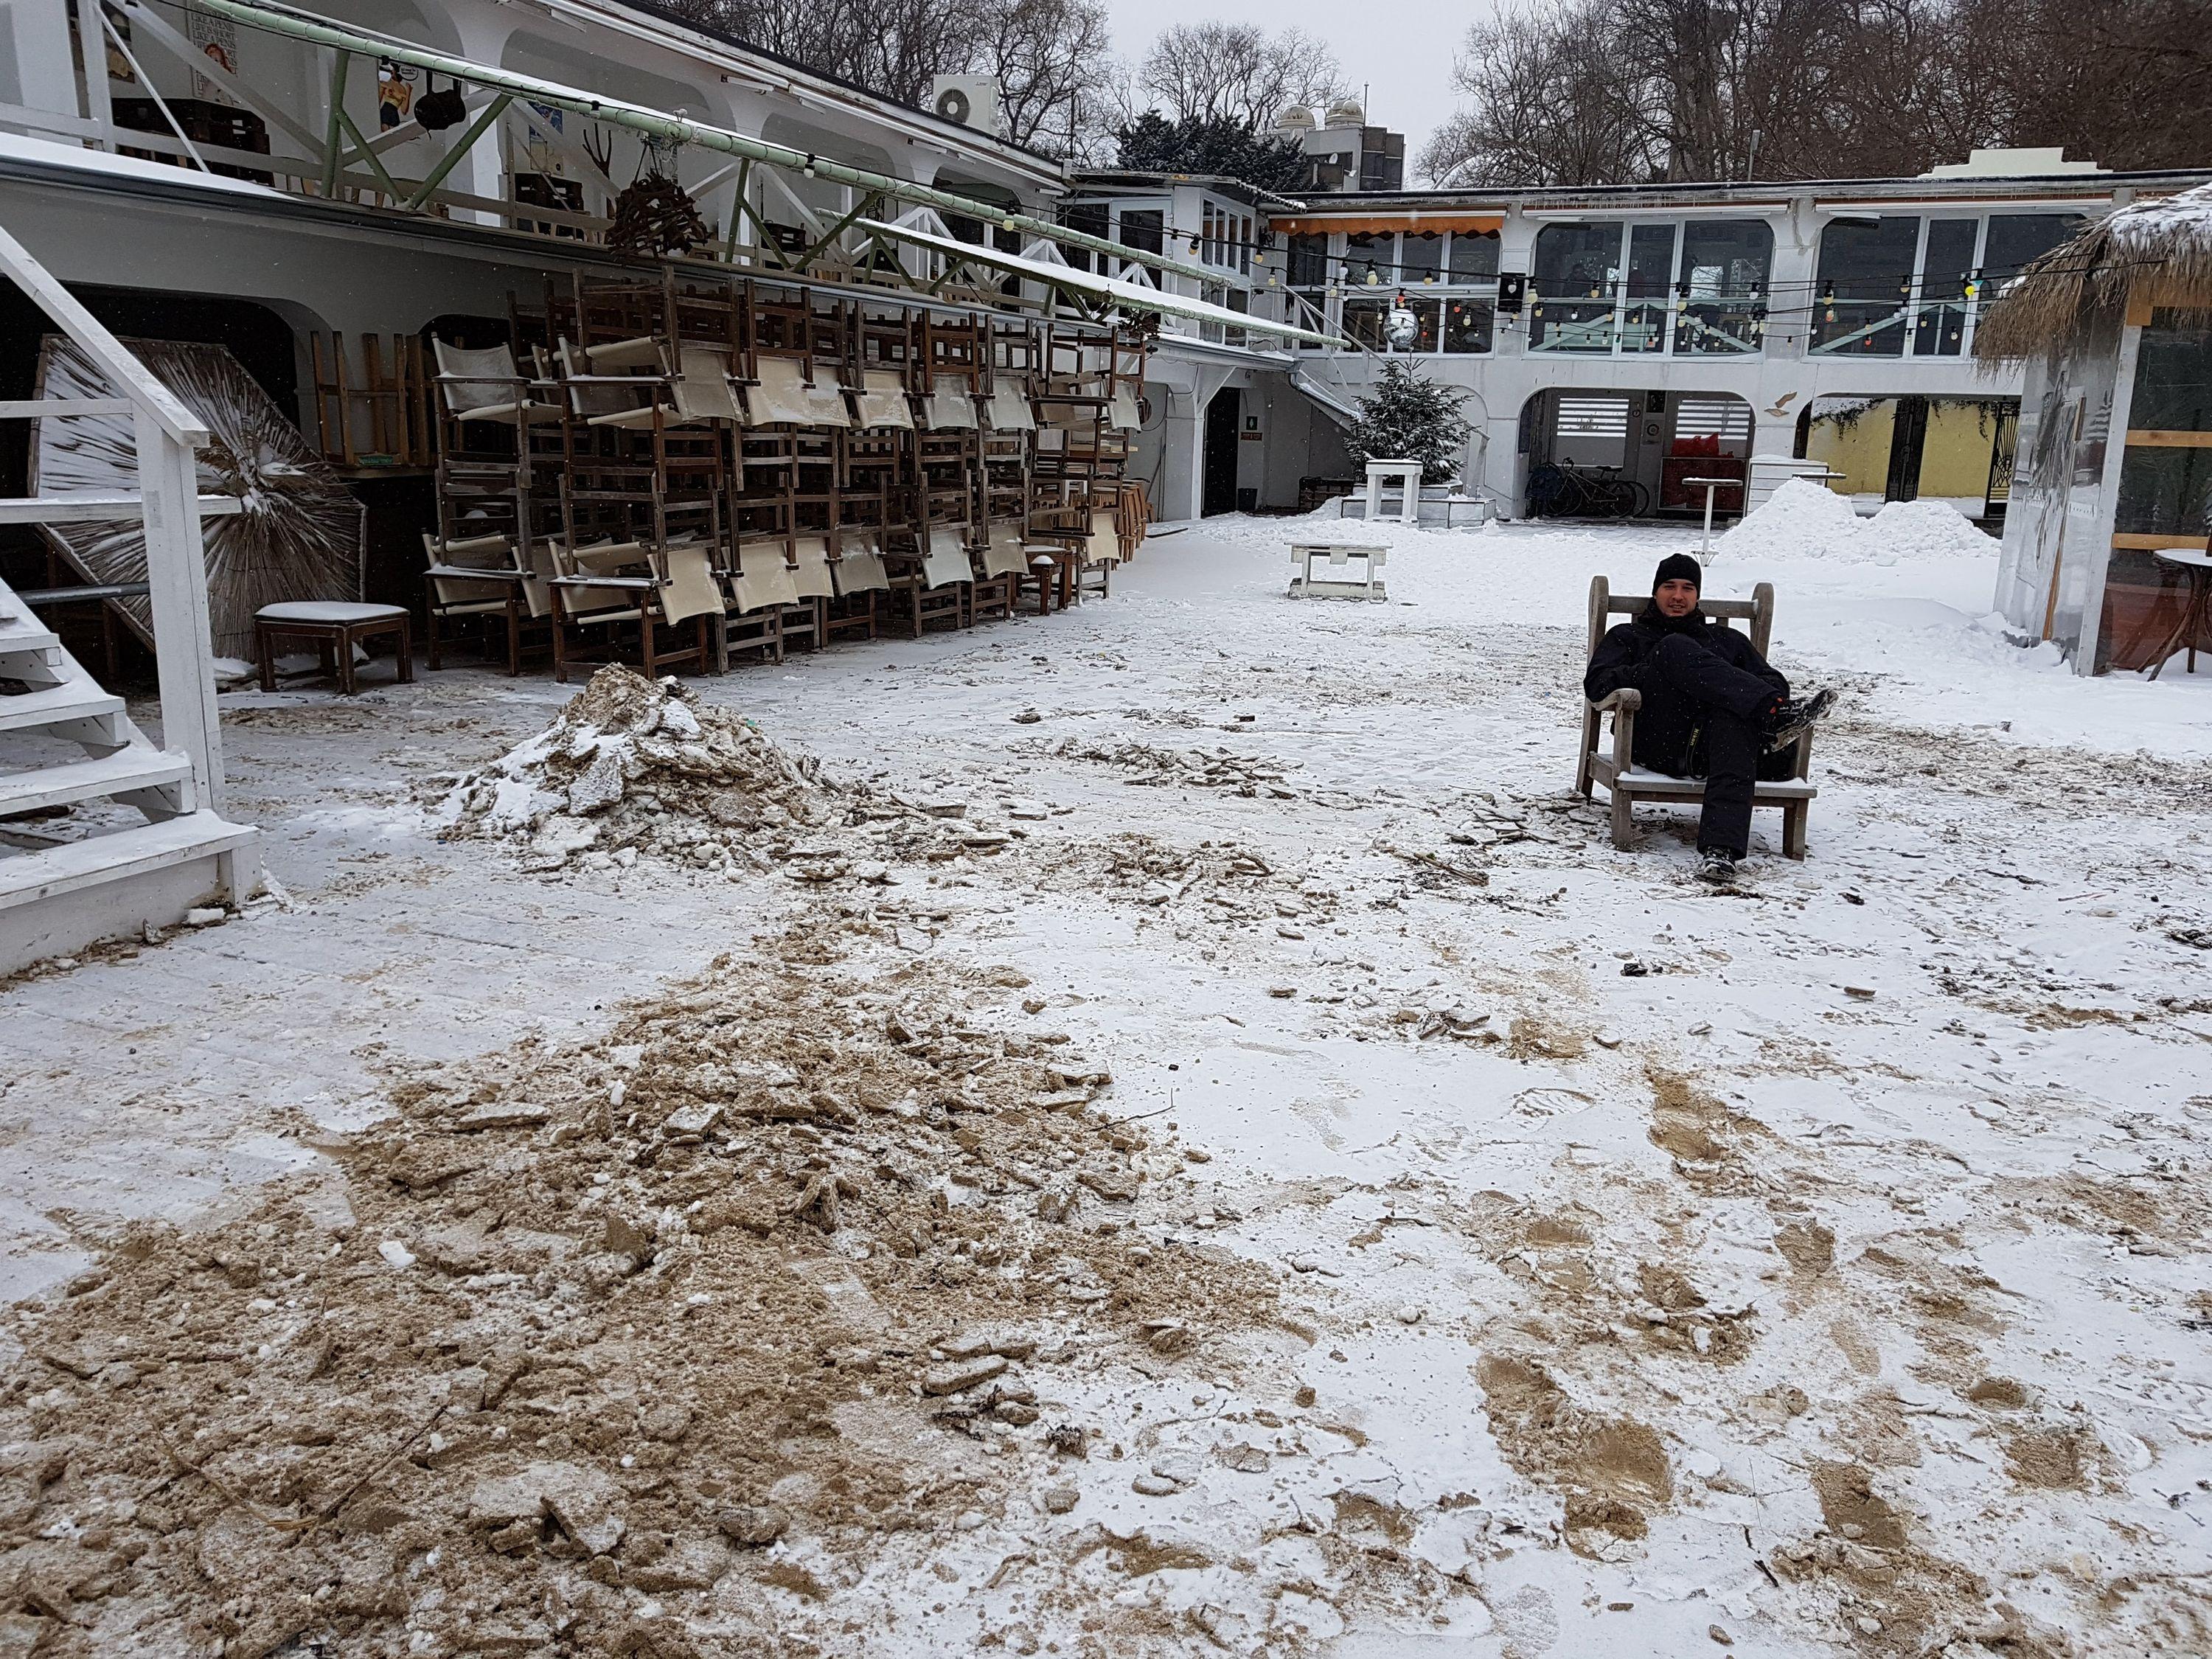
x: 631, y: 764
x: 670, y: 1312
x: 1805, y: 521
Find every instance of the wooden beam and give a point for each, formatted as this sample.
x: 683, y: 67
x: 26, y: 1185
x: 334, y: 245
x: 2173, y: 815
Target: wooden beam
x: 2152, y: 438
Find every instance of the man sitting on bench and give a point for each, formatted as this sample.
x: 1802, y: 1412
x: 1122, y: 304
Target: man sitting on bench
x: 1713, y: 708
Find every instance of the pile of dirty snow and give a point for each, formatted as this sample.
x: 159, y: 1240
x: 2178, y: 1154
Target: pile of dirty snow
x: 1803, y: 520
x: 633, y: 765
x: 701, y: 1339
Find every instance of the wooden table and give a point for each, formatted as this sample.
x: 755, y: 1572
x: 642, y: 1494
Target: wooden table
x: 335, y: 626
x: 2196, y: 565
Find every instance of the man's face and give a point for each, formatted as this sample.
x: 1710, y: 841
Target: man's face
x: 1677, y: 598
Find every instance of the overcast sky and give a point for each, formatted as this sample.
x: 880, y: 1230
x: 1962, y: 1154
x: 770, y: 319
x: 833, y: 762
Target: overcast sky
x: 1402, y: 53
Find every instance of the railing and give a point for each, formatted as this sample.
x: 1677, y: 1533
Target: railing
x: 166, y: 433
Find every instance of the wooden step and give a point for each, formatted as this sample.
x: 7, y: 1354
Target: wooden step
x: 77, y: 700
x: 28, y: 878
x: 97, y: 506
x: 121, y: 773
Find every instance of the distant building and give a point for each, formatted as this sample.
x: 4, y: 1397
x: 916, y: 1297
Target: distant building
x: 1342, y: 152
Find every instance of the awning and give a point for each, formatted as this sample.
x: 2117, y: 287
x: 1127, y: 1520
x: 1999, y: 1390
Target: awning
x: 1071, y: 280
x: 1368, y: 224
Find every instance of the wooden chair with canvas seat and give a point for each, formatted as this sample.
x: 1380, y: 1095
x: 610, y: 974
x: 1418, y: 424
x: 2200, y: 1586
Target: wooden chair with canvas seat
x: 1626, y: 783
x: 860, y: 579
x: 763, y: 588
x: 477, y: 578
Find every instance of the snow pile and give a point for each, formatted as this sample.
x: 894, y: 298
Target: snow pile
x: 635, y: 765
x: 1803, y: 520
x: 1928, y: 530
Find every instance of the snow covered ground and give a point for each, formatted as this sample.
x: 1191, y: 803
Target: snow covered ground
x: 1815, y: 1269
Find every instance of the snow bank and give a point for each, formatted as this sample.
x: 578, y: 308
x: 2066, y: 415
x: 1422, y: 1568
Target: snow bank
x: 1803, y: 520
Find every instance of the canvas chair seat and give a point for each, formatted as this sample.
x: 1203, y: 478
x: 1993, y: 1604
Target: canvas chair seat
x: 1121, y: 414
x: 486, y: 386
x: 453, y: 566
x: 859, y: 568
x: 640, y: 353
x: 1008, y: 410
x: 882, y: 401
x: 812, y: 580
x: 952, y: 410
x: 779, y: 396
x: 701, y: 385
x: 946, y: 561
x: 1008, y: 553
x: 764, y: 579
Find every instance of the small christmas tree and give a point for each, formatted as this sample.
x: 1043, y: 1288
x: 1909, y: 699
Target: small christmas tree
x: 1410, y: 418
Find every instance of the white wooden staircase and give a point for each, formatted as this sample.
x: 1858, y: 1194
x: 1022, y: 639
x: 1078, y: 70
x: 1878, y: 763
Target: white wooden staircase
x: 65, y: 740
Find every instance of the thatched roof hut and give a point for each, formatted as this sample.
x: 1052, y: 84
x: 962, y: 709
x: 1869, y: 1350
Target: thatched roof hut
x: 2111, y: 509
x: 2154, y: 253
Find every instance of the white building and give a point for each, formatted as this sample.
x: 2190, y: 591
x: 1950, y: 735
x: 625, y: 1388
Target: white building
x: 1638, y: 334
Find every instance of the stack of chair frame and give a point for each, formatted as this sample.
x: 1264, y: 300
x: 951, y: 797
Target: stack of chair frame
x: 686, y: 466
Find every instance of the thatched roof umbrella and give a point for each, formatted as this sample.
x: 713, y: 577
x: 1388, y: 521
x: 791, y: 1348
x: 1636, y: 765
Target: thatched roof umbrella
x: 2155, y: 253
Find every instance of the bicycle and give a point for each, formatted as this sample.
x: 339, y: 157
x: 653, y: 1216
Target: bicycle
x: 1563, y: 491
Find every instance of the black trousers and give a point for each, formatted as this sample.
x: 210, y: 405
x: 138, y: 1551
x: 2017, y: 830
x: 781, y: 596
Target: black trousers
x: 1704, y: 718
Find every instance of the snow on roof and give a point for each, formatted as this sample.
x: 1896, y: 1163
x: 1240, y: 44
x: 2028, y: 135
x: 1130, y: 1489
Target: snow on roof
x: 2159, y: 250
x: 15, y: 146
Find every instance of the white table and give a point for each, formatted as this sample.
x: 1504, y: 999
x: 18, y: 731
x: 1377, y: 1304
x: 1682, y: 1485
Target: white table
x: 1344, y: 580
x: 1408, y: 485
x: 1706, y: 544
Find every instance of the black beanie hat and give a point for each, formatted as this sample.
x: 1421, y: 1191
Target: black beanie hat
x: 1679, y: 568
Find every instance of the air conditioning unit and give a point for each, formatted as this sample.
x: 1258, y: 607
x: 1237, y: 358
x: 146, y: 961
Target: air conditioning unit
x: 971, y: 100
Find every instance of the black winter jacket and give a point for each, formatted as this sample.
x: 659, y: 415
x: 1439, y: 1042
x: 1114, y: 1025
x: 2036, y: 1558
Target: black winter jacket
x: 1623, y: 656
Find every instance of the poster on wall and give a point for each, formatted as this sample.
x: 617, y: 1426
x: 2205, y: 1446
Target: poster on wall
x: 217, y: 38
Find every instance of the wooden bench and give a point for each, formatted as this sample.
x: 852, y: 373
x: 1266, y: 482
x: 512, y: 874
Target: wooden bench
x: 335, y: 626
x: 1625, y: 781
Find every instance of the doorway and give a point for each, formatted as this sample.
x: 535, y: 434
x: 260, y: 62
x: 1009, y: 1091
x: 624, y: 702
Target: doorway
x: 1223, y: 416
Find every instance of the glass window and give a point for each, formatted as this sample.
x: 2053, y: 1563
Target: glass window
x: 1421, y: 256
x: 1371, y: 252
x: 1362, y: 321
x: 1309, y: 261
x: 2164, y: 491
x: 1466, y: 326
x: 1141, y: 228
x: 1473, y: 255
x: 1651, y: 264
x: 1865, y: 279
x: 2173, y: 373
x: 1577, y: 268
x: 1089, y: 218
x: 2014, y: 239
x: 1720, y: 288
x: 1427, y: 314
x: 1939, y: 328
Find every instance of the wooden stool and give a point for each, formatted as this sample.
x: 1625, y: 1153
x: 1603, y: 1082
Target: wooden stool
x: 335, y: 625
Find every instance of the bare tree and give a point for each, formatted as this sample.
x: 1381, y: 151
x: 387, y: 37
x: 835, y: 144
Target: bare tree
x: 1048, y: 55
x: 1235, y: 72
x: 1555, y: 98
x: 1807, y: 88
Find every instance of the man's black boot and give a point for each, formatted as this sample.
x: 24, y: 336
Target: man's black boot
x: 1795, y: 716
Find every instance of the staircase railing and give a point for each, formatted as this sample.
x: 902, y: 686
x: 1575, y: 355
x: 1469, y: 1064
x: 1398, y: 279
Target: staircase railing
x: 166, y: 433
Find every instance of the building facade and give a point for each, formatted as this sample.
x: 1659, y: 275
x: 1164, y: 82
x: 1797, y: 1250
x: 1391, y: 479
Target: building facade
x: 1614, y: 343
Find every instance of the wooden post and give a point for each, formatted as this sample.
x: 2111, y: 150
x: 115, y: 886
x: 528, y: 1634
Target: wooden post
x: 176, y: 577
